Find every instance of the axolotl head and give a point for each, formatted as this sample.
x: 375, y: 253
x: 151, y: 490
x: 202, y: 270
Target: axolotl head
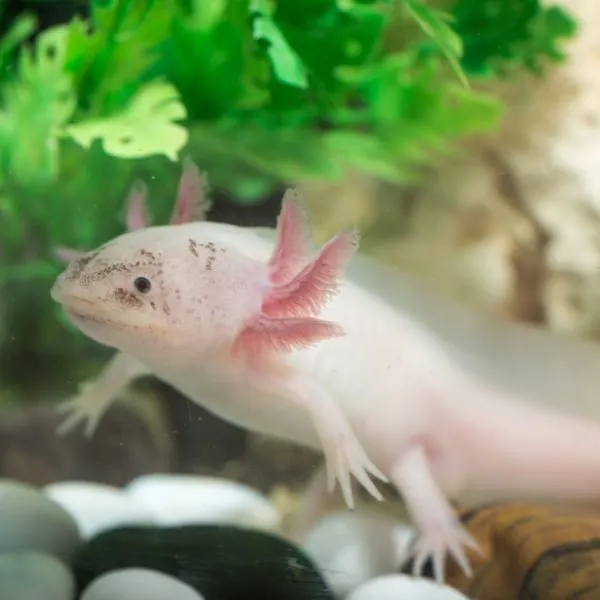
x: 163, y: 288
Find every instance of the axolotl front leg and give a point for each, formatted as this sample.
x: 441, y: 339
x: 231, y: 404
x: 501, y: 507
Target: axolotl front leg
x: 96, y: 396
x: 344, y: 454
x: 286, y: 323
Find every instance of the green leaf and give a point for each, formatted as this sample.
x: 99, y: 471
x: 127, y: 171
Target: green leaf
x: 36, y: 104
x: 121, y: 51
x: 22, y: 27
x: 287, y: 65
x: 251, y: 190
x: 435, y: 24
x: 501, y: 37
x: 367, y: 153
x: 328, y: 35
x: 284, y: 154
x: 210, y: 57
x: 413, y: 114
x: 545, y: 31
x: 146, y: 127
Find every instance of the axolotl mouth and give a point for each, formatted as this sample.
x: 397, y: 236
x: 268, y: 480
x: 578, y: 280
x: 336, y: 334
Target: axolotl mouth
x: 92, y: 319
x: 76, y: 315
x: 95, y: 326
x: 78, y: 310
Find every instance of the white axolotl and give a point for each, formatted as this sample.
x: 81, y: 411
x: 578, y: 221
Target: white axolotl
x: 279, y: 342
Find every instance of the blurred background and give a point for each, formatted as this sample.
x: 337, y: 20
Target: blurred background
x: 459, y: 135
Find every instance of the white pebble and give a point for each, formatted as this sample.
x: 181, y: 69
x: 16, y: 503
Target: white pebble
x: 138, y: 584
x: 34, y: 576
x: 97, y: 507
x: 192, y: 499
x: 31, y: 521
x: 351, y: 548
x: 396, y: 587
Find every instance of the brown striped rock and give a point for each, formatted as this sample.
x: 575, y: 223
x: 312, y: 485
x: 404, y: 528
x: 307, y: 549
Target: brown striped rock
x: 532, y: 552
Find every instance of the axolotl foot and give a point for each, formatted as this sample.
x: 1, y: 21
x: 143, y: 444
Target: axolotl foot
x: 344, y: 457
x: 448, y: 537
x: 86, y: 408
x: 96, y: 396
x: 440, y: 531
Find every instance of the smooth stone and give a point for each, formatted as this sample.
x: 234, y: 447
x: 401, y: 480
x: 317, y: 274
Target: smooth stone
x: 138, y: 584
x: 351, y: 548
x: 394, y: 587
x: 175, y: 500
x: 97, y: 507
x: 34, y: 576
x: 29, y: 520
x: 220, y: 562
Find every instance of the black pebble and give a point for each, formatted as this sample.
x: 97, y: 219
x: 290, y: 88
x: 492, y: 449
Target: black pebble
x: 221, y: 562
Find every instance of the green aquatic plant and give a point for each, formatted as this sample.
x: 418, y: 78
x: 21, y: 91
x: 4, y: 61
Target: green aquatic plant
x: 503, y: 36
x: 258, y: 92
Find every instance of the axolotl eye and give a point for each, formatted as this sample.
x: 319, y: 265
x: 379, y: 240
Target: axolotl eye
x: 142, y: 284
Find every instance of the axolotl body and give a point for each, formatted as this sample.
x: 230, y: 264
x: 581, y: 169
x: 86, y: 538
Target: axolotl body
x: 277, y: 340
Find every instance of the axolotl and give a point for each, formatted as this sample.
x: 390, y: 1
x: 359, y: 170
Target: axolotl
x: 275, y: 339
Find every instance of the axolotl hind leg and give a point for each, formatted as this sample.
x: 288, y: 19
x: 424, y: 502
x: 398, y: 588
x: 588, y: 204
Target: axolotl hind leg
x: 439, y: 530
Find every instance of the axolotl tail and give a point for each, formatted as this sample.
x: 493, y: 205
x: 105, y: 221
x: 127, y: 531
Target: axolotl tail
x: 509, y: 449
